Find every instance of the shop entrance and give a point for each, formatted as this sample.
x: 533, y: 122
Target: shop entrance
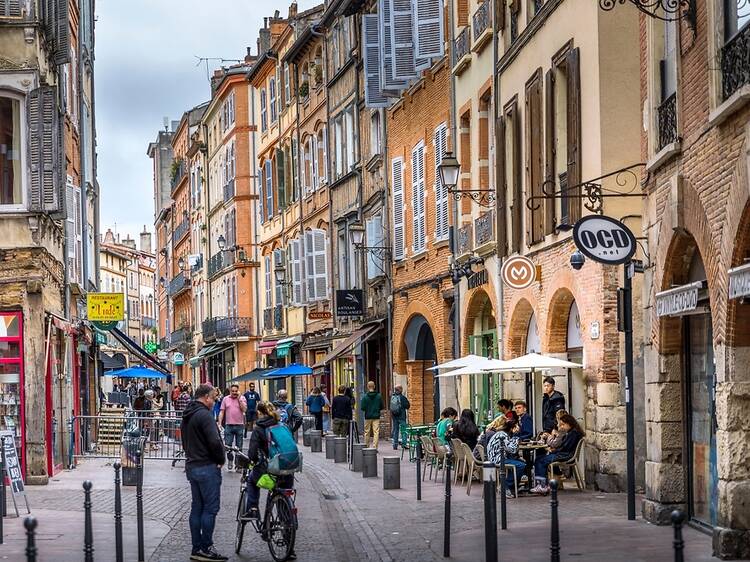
x: 484, y: 390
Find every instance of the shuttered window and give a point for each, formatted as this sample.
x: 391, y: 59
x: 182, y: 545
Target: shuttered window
x: 279, y: 260
x: 402, y: 48
x: 572, y: 65
x: 269, y: 286
x: 534, y: 140
x: 280, y: 179
x: 295, y: 170
x: 287, y: 85
x: 269, y: 190
x: 375, y: 238
x: 550, y: 166
x: 295, y: 263
x: 45, y: 148
x: 259, y: 183
x: 374, y: 96
x: 263, y: 110
x: 315, y: 162
x: 316, y: 264
x: 441, y: 191
x: 322, y: 155
x: 387, y: 80
x: 429, y: 28
x: 272, y: 98
x: 418, y: 198
x: 397, y: 185
x: 11, y: 162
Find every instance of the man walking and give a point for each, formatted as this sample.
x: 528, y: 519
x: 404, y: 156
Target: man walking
x: 204, y: 457
x: 371, y: 404
x: 233, y: 408
x: 288, y: 413
x: 341, y: 411
x: 251, y: 398
x: 551, y: 403
x: 398, y: 406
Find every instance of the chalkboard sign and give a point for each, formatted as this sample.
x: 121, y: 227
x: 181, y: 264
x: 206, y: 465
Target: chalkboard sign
x: 13, y: 469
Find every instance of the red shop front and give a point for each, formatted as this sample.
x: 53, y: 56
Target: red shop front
x: 12, y: 380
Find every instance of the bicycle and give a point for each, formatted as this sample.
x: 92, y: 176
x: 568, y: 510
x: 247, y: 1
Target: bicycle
x: 278, y: 527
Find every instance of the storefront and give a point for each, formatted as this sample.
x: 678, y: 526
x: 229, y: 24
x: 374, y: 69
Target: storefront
x: 12, y: 379
x: 481, y: 327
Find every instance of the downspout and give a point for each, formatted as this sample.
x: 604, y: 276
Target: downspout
x: 254, y: 219
x: 387, y: 237
x: 208, y: 227
x: 500, y: 227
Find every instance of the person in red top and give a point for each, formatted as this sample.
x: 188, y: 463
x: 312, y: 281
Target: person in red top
x: 233, y: 408
x: 506, y: 408
x: 176, y: 392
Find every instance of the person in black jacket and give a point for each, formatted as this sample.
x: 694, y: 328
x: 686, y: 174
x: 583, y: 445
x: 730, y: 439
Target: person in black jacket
x: 341, y: 412
x: 553, y: 401
x: 466, y: 429
x: 204, y: 457
x: 566, y: 450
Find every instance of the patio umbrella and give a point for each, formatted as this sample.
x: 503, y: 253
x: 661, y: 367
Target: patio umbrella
x: 293, y: 370
x: 137, y: 372
x: 256, y: 374
x: 457, y: 363
x: 530, y: 362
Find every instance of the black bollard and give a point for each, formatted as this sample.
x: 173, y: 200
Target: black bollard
x: 419, y: 470
x: 503, y: 487
x: 88, y: 530
x: 490, y: 512
x: 2, y: 486
x: 139, y: 512
x: 447, y: 520
x: 118, y: 515
x: 678, y: 518
x: 30, y: 524
x: 555, y: 532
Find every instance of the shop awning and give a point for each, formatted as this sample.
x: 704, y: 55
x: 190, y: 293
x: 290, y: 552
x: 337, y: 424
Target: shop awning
x: 116, y: 361
x: 356, y: 338
x: 267, y: 347
x: 136, y: 349
x: 138, y: 372
x: 293, y: 370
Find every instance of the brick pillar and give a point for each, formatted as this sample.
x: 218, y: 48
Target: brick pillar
x: 419, y: 391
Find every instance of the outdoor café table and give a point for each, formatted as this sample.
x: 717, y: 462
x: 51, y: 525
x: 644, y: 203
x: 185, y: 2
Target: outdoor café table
x: 529, y: 450
x: 413, y: 433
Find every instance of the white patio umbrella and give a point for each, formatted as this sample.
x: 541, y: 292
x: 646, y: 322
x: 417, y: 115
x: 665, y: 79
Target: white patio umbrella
x: 476, y: 369
x: 457, y: 363
x: 530, y: 362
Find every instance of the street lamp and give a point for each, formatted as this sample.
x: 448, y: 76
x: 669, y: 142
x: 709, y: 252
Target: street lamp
x: 449, y: 168
x: 357, y: 234
x: 222, y: 242
x: 280, y: 273
x: 181, y: 263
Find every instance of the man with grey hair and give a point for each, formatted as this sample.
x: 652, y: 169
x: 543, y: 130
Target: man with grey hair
x: 398, y: 406
x: 288, y: 413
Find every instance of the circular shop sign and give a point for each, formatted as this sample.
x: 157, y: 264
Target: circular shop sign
x: 518, y: 272
x: 604, y: 239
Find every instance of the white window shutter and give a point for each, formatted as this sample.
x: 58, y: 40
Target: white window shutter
x: 321, y: 264
x: 324, y: 163
x: 296, y: 268
x: 441, y: 192
x: 315, y: 163
x: 269, y: 277
x: 269, y: 190
x: 402, y: 45
x: 428, y: 28
x: 388, y: 83
x: 370, y: 233
x: 397, y: 184
x: 310, y: 270
x: 417, y: 190
x: 374, y: 96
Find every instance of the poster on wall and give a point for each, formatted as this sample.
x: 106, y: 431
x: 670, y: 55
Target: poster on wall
x: 13, y: 469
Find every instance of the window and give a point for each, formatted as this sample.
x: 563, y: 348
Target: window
x: 375, y: 238
x: 418, y: 198
x: 272, y: 98
x: 666, y: 112
x: 342, y: 248
x: 736, y: 16
x: 322, y: 155
x: 534, y: 143
x: 287, y: 85
x: 397, y: 185
x: 263, y: 111
x: 11, y: 166
x: 280, y: 179
x: 441, y: 192
x: 269, y: 190
x: 344, y: 127
x: 269, y: 278
x: 307, y: 166
x: 375, y: 133
x: 312, y: 140
x: 316, y: 264
x: 296, y: 267
x: 279, y: 261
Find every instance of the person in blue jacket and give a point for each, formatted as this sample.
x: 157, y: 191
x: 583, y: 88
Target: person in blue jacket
x: 524, y: 421
x: 315, y: 403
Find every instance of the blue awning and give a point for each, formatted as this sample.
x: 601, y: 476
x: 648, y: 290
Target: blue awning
x: 293, y: 370
x: 138, y: 372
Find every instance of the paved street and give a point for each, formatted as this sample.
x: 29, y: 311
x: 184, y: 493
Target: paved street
x: 342, y: 517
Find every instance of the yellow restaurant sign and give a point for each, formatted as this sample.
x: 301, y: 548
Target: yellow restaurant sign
x: 105, y: 307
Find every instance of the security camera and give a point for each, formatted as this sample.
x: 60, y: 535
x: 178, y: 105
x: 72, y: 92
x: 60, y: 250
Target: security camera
x: 577, y: 259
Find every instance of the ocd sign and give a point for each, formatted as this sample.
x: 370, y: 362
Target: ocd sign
x: 604, y: 239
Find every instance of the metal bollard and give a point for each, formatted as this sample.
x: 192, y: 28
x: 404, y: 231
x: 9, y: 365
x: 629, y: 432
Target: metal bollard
x: 306, y: 438
x: 369, y: 463
x: 339, y: 449
x: 391, y: 473
x: 357, y: 459
x: 139, y: 512
x: 490, y: 512
x: 330, y: 453
x: 503, y: 486
x: 555, y: 531
x: 30, y: 523
x: 316, y: 441
x: 3, y: 507
x: 447, y: 516
x: 419, y: 470
x: 678, y: 518
x: 88, y: 530
x: 118, y: 515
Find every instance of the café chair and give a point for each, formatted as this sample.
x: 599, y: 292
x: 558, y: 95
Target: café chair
x: 571, y: 463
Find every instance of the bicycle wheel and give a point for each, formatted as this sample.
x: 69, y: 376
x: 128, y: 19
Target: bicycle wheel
x: 281, y: 528
x: 241, y: 522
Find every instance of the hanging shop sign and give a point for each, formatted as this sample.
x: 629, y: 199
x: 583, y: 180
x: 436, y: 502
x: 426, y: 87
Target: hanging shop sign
x: 678, y: 300
x: 518, y: 272
x: 350, y: 302
x: 178, y: 358
x: 151, y: 346
x: 319, y: 314
x: 604, y: 239
x: 739, y: 281
x: 477, y: 279
x: 105, y: 307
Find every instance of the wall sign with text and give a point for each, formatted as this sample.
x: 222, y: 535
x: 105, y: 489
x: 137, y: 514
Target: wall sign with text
x: 350, y: 302
x: 604, y: 239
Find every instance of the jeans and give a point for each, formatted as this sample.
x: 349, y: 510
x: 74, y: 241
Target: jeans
x: 233, y: 433
x: 541, y: 464
x: 520, y: 468
x: 326, y: 422
x: 253, y: 491
x: 205, y: 487
x: 318, y: 420
x: 396, y: 425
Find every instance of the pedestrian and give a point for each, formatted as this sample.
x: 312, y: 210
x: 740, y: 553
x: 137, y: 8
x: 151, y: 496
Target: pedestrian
x: 342, y: 413
x: 398, y: 406
x: 204, y: 457
x: 326, y: 409
x: 183, y: 400
x: 157, y: 404
x: 251, y: 398
x: 372, y: 404
x: 190, y: 389
x: 217, y: 403
x: 176, y: 391
x: 288, y: 413
x: 551, y: 403
x: 232, y: 413
x: 132, y: 393
x: 315, y: 405
x: 142, y: 404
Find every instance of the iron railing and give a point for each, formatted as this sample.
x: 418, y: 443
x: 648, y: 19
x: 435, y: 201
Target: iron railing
x: 178, y: 283
x: 219, y: 261
x: 147, y: 322
x: 226, y: 327
x: 484, y: 228
x: 228, y: 190
x: 198, y: 265
x: 513, y: 25
x: 180, y: 336
x: 180, y: 172
x: 465, y: 239
x: 461, y: 45
x: 268, y: 319
x: 481, y: 19
x: 180, y: 231
x: 735, y: 62
x: 278, y: 317
x: 164, y: 342
x: 667, y: 113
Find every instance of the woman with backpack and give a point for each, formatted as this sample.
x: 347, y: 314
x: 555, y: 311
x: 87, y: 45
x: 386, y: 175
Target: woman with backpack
x: 315, y: 403
x: 398, y: 406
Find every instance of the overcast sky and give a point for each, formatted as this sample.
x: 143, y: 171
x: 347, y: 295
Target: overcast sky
x: 146, y: 70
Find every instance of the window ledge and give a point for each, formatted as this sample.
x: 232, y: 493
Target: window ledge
x: 374, y: 163
x: 664, y: 155
x: 440, y: 243
x: 733, y: 104
x: 419, y: 256
x: 462, y: 64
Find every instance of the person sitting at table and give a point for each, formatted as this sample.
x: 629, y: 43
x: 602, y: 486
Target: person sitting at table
x: 493, y: 427
x: 447, y: 417
x: 466, y: 429
x: 506, y: 439
x: 525, y: 422
x: 565, y: 451
x: 554, y: 437
x: 505, y: 406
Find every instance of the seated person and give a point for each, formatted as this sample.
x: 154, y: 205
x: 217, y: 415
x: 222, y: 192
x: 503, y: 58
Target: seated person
x: 447, y: 417
x: 506, y: 439
x: 525, y: 422
x: 466, y: 430
x: 494, y: 426
x: 565, y: 451
x: 554, y: 437
x: 505, y: 406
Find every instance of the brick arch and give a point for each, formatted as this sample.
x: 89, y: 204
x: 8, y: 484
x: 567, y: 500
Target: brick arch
x: 518, y: 328
x: 476, y: 301
x: 555, y: 339
x: 413, y: 310
x: 738, y: 317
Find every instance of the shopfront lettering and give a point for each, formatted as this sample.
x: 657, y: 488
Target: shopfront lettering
x: 739, y: 281
x: 677, y: 301
x: 604, y: 239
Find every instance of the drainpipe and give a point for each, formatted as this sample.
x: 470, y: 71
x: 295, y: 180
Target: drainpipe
x: 500, y: 232
x: 254, y: 219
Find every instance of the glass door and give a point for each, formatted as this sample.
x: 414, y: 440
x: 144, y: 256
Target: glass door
x: 11, y: 378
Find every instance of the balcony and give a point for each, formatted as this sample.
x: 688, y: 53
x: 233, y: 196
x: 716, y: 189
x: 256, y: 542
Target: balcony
x: 667, y: 115
x: 462, y: 51
x: 164, y: 343
x: 481, y: 24
x: 484, y: 230
x: 198, y: 265
x: 228, y: 190
x: 147, y: 322
x: 735, y: 63
x: 180, y: 231
x: 464, y: 240
x: 278, y: 317
x: 226, y: 328
x: 220, y: 260
x: 178, y: 284
x: 181, y: 336
x: 268, y: 319
x: 179, y: 170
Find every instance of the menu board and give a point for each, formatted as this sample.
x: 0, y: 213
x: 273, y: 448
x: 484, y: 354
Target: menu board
x: 13, y: 469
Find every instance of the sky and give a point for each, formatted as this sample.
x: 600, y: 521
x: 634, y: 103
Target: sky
x: 147, y: 68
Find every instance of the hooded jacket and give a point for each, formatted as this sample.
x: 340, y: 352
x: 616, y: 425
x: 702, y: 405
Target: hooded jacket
x: 200, y: 436
x: 371, y: 404
x: 550, y: 406
x: 257, y: 451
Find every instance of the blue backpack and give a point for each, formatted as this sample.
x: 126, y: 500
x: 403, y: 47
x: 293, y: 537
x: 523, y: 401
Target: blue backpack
x: 283, y: 455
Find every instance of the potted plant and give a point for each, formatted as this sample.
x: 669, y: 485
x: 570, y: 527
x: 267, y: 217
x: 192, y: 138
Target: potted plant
x: 304, y: 89
x: 317, y: 72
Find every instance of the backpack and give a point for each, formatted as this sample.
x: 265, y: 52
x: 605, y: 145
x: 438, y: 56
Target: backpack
x: 285, y: 414
x: 396, y: 405
x: 283, y: 455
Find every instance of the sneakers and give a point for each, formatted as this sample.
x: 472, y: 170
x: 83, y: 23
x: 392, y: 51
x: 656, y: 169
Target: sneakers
x: 208, y: 555
x: 230, y: 466
x: 509, y: 494
x: 540, y: 489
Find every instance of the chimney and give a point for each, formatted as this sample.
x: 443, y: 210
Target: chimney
x: 293, y: 10
x: 109, y: 237
x: 145, y: 240
x: 128, y: 242
x: 276, y: 14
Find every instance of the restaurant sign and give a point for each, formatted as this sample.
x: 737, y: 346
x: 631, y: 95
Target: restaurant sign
x: 350, y: 302
x: 319, y: 314
x: 678, y: 300
x: 105, y: 307
x: 739, y: 281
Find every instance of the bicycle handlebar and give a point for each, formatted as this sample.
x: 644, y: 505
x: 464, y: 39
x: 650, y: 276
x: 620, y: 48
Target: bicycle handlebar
x: 236, y: 451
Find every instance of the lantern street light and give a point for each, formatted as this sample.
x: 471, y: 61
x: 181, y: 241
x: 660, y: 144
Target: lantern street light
x: 448, y: 169
x: 222, y: 242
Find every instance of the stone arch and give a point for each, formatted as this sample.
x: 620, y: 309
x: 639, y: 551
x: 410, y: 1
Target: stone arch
x: 417, y: 352
x: 557, y: 321
x: 478, y: 302
x: 414, y: 309
x: 518, y: 328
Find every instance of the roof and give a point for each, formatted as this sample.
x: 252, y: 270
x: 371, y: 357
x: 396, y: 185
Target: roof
x: 269, y: 55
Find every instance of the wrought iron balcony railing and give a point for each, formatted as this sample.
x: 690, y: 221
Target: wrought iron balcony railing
x: 180, y: 336
x: 219, y: 261
x: 226, y: 328
x: 735, y: 62
x: 228, y: 190
x: 484, y: 228
x: 465, y: 239
x: 667, y: 113
x: 268, y: 319
x: 461, y: 46
x: 180, y: 231
x: 481, y: 19
x: 178, y: 284
x: 278, y: 317
x: 164, y: 343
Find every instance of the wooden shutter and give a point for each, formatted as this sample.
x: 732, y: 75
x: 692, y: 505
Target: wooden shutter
x: 516, y: 177
x: 62, y: 32
x: 269, y: 277
x: 388, y: 82
x: 550, y: 153
x: 418, y: 196
x: 535, y: 222
x: 280, y: 179
x: 314, y: 158
x: 374, y: 96
x: 45, y: 139
x: 296, y: 270
x: 441, y: 192
x: 500, y: 15
x: 502, y: 181
x: 462, y: 12
x: 278, y: 260
x: 259, y: 183
x: 429, y: 28
x: 310, y: 266
x: 269, y: 190
x: 321, y: 263
x: 371, y: 239
x: 324, y: 158
x: 402, y: 46
x: 397, y: 185
x: 572, y: 63
x: 295, y: 170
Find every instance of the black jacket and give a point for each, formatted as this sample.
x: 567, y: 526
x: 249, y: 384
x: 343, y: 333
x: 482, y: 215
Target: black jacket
x: 568, y: 446
x: 550, y: 406
x: 201, y: 440
x: 341, y: 407
x: 257, y: 451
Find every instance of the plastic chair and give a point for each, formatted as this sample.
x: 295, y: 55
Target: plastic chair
x: 429, y: 455
x: 440, y: 453
x: 470, y: 466
x: 458, y: 459
x: 572, y: 464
